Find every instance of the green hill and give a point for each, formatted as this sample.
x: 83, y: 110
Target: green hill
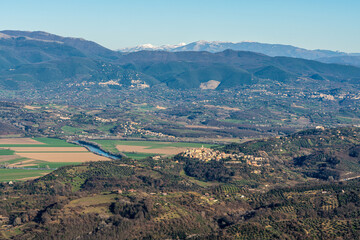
x: 35, y: 60
x: 324, y: 154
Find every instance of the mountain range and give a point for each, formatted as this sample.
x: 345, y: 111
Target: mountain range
x: 273, y: 50
x: 36, y: 60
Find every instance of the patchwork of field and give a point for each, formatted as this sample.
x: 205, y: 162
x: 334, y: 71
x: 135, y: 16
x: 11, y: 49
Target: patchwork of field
x: 28, y: 158
x: 142, y: 149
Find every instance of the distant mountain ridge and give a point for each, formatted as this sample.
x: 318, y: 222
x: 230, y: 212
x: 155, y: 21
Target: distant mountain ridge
x: 35, y: 60
x: 232, y: 68
x: 272, y: 50
x: 87, y: 47
x: 150, y: 47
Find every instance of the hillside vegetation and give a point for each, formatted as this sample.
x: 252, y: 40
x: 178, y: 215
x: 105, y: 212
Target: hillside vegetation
x: 177, y: 198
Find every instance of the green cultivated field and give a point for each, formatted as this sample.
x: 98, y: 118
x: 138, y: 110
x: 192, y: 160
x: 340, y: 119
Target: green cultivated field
x: 6, y: 152
x: 138, y: 155
x: 49, y: 142
x: 54, y: 142
x: 110, y: 145
x: 18, y: 174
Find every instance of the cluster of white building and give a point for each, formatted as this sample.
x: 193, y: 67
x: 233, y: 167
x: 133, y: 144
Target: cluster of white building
x: 207, y: 154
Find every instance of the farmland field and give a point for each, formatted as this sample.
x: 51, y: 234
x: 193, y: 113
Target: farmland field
x: 20, y: 174
x: 19, y: 141
x: 135, y: 155
x: 63, y: 156
x: 142, y: 149
x: 34, y: 142
x: 48, y: 149
x: 27, y: 158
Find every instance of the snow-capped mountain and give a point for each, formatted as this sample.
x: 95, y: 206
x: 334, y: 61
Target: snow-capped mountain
x: 150, y: 47
x: 264, y: 48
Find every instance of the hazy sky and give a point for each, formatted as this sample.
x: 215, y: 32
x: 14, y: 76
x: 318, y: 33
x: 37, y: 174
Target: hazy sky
x: 312, y: 24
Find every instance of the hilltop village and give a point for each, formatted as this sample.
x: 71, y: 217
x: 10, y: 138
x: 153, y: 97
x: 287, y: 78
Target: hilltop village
x: 207, y: 154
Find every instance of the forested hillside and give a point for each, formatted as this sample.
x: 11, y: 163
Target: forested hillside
x: 270, y: 191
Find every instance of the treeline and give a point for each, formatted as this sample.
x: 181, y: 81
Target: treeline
x: 208, y: 171
x: 319, y: 165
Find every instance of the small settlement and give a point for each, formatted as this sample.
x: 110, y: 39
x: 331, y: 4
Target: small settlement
x: 207, y: 154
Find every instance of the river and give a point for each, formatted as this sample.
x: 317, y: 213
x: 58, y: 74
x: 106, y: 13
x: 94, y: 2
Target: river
x: 97, y: 150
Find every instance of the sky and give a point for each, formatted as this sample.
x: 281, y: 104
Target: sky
x: 311, y: 24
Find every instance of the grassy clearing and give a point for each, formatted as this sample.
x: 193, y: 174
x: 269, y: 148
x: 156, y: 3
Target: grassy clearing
x: 71, y: 130
x: 106, y: 127
x: 198, y: 182
x: 16, y: 174
x: 76, y: 183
